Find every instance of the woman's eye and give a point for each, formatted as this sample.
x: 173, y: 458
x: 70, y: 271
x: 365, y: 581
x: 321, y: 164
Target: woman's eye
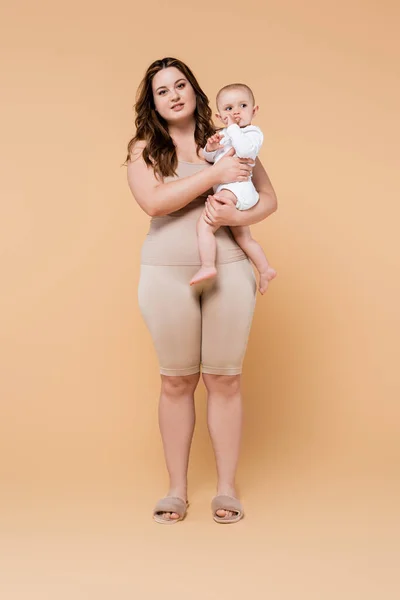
x: 181, y: 85
x: 161, y: 93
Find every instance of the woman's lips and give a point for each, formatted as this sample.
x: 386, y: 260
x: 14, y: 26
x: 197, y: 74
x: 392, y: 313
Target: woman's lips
x: 178, y: 107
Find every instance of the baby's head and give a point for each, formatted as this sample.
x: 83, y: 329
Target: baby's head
x: 236, y: 99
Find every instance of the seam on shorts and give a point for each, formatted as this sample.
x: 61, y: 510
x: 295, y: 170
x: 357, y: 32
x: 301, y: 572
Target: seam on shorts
x: 221, y: 370
x: 180, y: 372
x: 252, y: 317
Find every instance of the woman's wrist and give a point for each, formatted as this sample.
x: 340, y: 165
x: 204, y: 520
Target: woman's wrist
x: 214, y: 174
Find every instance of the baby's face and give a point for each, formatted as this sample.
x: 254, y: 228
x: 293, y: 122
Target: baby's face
x: 239, y: 104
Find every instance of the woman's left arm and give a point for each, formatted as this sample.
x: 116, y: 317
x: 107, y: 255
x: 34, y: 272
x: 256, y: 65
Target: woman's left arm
x: 220, y: 213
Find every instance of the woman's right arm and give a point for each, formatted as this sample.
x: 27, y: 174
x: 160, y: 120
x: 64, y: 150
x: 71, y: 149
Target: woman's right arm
x: 159, y: 199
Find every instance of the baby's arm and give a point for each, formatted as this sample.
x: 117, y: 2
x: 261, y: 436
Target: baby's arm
x: 247, y: 144
x: 212, y: 147
x: 209, y: 156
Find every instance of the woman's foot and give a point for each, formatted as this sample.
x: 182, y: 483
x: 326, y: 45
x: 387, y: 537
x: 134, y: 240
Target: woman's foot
x: 265, y: 278
x: 223, y: 513
x: 202, y: 274
x: 176, y: 498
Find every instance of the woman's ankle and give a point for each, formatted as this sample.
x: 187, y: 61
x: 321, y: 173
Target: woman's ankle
x: 178, y: 491
x: 226, y: 489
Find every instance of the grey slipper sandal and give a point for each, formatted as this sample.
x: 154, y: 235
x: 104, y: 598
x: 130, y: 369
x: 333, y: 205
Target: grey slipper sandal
x: 227, y: 503
x: 170, y: 505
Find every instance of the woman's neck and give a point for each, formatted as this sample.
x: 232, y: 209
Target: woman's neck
x: 182, y: 135
x: 182, y: 131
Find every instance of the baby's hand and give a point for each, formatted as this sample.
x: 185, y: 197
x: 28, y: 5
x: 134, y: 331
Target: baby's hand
x: 229, y: 120
x: 213, y: 143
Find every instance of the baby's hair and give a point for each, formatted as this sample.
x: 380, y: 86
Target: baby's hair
x: 236, y: 86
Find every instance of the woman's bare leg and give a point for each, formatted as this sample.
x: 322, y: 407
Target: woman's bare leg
x: 225, y: 415
x: 177, y: 420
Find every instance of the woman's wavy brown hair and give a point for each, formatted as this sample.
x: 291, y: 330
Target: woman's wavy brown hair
x: 160, y: 152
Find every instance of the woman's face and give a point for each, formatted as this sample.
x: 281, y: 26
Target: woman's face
x: 174, y: 97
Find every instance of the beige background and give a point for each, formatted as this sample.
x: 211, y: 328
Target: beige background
x: 81, y: 460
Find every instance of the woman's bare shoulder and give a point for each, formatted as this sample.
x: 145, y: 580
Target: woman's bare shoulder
x: 137, y: 149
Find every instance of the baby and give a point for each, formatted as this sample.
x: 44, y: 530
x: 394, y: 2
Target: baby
x: 236, y: 108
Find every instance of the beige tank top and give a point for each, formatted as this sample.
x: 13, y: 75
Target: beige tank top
x: 172, y: 239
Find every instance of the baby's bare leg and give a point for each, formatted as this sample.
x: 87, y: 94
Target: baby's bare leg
x: 256, y: 254
x: 208, y: 245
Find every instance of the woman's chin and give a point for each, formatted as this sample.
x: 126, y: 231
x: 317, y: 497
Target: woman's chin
x: 180, y: 117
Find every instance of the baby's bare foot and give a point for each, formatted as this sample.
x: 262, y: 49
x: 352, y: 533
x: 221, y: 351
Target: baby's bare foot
x: 265, y: 278
x: 203, y: 274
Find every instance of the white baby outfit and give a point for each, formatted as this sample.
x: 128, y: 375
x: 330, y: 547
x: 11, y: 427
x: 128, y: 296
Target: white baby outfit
x: 247, y: 142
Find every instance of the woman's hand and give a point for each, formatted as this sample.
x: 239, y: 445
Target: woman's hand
x: 220, y: 211
x: 231, y: 168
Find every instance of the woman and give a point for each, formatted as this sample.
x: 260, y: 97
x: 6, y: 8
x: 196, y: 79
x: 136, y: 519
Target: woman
x: 207, y: 325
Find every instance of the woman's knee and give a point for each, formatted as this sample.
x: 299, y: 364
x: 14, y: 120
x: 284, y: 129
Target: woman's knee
x: 226, y: 385
x: 178, y: 386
